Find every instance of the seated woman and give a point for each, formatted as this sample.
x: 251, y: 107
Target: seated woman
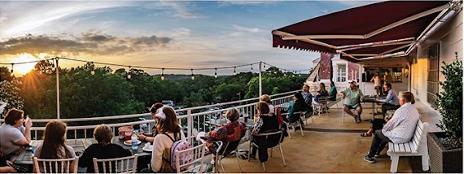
x: 230, y: 132
x: 321, y: 93
x: 54, y: 146
x: 296, y: 105
x: 103, y: 149
x: 267, y: 99
x: 332, y: 92
x: 13, y: 135
x: 153, y: 110
x: 169, y: 131
x: 266, y: 123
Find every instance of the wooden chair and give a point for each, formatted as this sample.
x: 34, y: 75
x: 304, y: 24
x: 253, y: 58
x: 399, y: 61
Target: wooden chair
x: 55, y: 165
x: 416, y: 147
x: 195, y: 164
x: 116, y: 165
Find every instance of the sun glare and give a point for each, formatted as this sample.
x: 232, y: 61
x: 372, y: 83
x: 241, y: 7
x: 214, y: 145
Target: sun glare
x: 23, y: 69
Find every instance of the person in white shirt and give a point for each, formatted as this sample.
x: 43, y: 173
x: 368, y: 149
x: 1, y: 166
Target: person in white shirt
x: 399, y: 129
x: 168, y: 131
x: 14, y: 133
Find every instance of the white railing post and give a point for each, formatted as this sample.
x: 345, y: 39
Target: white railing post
x: 260, y: 82
x: 189, y: 123
x: 57, y: 72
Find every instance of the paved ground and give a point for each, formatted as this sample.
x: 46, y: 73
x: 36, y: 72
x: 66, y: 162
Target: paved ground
x: 328, y: 145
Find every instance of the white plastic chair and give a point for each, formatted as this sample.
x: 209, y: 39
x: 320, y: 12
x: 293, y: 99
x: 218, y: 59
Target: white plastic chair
x: 195, y: 165
x: 116, y: 165
x: 320, y: 106
x: 55, y: 165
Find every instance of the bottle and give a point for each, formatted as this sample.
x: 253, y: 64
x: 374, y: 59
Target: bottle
x: 134, y: 141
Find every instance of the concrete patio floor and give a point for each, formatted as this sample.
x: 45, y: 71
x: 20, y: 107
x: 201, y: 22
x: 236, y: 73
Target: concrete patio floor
x: 328, y: 145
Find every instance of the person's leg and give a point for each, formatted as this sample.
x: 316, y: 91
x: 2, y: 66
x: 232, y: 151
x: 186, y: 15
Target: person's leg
x: 386, y: 107
x: 347, y: 110
x: 377, y: 142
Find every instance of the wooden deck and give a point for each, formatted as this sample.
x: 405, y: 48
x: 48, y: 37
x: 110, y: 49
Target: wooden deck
x: 328, y: 145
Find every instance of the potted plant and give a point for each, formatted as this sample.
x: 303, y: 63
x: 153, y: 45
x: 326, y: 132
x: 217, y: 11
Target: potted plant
x: 445, y: 148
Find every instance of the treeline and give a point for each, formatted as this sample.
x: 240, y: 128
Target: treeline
x: 99, y: 91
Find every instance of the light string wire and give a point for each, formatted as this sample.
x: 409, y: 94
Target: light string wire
x: 157, y: 68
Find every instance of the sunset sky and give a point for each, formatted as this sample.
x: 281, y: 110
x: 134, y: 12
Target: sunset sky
x: 163, y: 34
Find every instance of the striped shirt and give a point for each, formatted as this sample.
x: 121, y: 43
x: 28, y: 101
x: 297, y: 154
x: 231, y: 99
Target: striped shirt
x: 401, y: 127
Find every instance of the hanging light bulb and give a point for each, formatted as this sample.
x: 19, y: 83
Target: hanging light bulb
x: 162, y: 73
x: 235, y: 70
x: 193, y: 76
x: 93, y: 69
x: 12, y: 68
x: 215, y: 72
x: 129, y: 73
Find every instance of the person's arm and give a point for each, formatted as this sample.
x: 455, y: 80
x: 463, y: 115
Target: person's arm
x: 388, y: 98
x: 159, y: 144
x: 7, y: 169
x: 27, y: 133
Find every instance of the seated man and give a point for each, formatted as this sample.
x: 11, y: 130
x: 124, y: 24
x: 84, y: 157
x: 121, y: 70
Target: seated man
x: 399, y: 129
x: 391, y: 102
x: 352, y: 98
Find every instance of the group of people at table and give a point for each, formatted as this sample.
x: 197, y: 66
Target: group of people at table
x: 15, y: 132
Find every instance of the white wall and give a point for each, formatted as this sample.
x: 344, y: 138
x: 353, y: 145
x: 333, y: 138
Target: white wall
x: 450, y: 38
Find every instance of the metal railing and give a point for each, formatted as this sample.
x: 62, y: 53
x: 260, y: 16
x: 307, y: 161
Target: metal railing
x: 192, y: 119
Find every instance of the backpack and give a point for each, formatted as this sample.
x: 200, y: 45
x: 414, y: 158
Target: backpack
x: 179, y: 145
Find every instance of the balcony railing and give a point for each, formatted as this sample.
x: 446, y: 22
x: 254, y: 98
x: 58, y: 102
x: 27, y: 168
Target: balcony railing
x: 192, y: 119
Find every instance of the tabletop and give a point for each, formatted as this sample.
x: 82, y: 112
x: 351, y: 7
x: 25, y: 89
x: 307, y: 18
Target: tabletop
x: 79, y: 145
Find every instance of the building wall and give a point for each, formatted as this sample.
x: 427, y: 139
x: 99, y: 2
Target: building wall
x: 324, y: 71
x: 449, y: 36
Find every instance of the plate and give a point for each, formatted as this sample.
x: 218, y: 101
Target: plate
x: 147, y: 148
x: 129, y: 142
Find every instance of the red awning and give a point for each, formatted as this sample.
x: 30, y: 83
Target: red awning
x: 367, y: 32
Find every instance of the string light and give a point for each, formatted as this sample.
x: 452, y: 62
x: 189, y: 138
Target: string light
x: 162, y: 73
x: 193, y: 76
x: 93, y: 69
x: 129, y: 73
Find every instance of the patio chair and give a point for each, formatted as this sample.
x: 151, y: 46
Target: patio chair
x: 272, y: 139
x: 55, y: 165
x: 193, y: 165
x: 319, y: 107
x: 224, y: 150
x: 116, y: 165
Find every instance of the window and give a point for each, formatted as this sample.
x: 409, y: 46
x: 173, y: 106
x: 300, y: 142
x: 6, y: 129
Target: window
x: 433, y: 74
x: 341, y: 73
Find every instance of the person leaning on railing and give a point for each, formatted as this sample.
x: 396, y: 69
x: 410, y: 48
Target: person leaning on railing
x: 103, y: 149
x: 15, y: 133
x: 54, y: 144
